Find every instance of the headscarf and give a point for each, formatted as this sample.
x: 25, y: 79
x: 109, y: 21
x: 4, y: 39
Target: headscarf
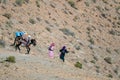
x: 64, y: 47
x: 52, y: 44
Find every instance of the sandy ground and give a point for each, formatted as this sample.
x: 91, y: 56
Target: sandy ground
x: 32, y: 67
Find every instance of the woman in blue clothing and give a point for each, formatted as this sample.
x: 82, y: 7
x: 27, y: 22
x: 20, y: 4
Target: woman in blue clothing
x: 63, y: 52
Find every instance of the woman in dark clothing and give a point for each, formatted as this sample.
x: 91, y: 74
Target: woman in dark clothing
x: 63, y: 51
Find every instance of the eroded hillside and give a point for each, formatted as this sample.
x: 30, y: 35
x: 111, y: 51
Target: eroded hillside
x: 89, y: 28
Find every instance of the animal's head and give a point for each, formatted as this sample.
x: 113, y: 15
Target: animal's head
x: 33, y: 41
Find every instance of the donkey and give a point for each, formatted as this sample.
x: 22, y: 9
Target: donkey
x: 20, y: 42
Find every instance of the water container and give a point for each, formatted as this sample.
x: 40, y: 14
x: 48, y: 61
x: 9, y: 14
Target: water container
x: 22, y: 33
x: 17, y: 34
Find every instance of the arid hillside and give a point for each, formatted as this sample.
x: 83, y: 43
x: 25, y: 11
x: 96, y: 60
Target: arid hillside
x: 89, y: 28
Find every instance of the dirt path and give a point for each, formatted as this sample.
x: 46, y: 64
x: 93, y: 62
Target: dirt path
x: 32, y: 67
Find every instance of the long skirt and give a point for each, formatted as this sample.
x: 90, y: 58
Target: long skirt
x: 62, y: 55
x: 51, y: 54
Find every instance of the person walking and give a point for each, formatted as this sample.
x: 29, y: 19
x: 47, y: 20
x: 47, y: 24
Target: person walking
x: 51, y: 49
x: 63, y: 51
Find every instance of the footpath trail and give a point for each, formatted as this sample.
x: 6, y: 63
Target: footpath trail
x: 36, y: 67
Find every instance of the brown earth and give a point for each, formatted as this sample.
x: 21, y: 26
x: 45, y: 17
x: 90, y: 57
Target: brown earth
x: 89, y: 28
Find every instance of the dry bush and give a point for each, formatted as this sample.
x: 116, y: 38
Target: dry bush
x: 78, y: 65
x: 67, y: 32
x: 10, y: 59
x: 108, y: 60
x: 7, y: 15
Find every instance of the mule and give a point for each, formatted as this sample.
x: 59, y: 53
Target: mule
x: 21, y: 42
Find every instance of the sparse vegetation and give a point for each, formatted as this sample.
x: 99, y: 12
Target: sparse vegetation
x: 92, y: 61
x: 94, y: 57
x: 7, y: 15
x: 32, y: 21
x: 10, y: 59
x: 9, y: 24
x: 108, y: 50
x: 72, y: 3
x: 99, y: 8
x: 94, y: 1
x: 48, y: 29
x: 114, y: 32
x: 3, y: 1
x: 67, y: 32
x: 110, y: 75
x: 91, y: 40
x: 116, y: 71
x: 108, y: 60
x: 77, y: 47
x: 76, y: 18
x: 78, y: 65
x: 27, y: 1
x: 2, y: 43
x: 118, y: 10
x: 87, y: 4
x: 19, y: 2
x: 117, y: 51
x: 38, y: 3
x: 105, y: 1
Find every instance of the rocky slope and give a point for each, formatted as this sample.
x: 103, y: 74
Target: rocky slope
x: 89, y: 28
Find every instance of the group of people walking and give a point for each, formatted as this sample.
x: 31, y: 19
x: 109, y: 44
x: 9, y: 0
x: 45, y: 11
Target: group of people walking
x: 26, y: 40
x: 62, y: 51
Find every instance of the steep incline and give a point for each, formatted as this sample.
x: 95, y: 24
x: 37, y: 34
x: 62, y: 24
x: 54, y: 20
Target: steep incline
x: 89, y: 28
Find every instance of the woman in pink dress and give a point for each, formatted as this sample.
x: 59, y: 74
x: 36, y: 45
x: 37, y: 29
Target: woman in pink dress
x: 51, y: 49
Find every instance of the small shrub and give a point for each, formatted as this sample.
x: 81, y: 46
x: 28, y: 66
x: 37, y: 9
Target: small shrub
x: 105, y: 1
x: 7, y: 15
x: 3, y: 1
x: 94, y: 57
x: 108, y: 50
x: 116, y: 71
x: 2, y: 43
x: 92, y: 61
x: 78, y: 65
x: 97, y: 70
x: 32, y: 21
x: 11, y: 59
x: 91, y: 40
x: 112, y: 32
x: 19, y: 2
x: 9, y: 24
x: 87, y: 4
x: 103, y: 15
x: 108, y: 60
x: 38, y: 3
x: 94, y: 1
x: 98, y: 67
x: 77, y: 47
x: 72, y: 3
x: 27, y: 1
x: 67, y: 32
x: 99, y: 8
x: 110, y: 75
x: 48, y: 29
x: 118, y: 10
x: 76, y: 18
x: 117, y: 51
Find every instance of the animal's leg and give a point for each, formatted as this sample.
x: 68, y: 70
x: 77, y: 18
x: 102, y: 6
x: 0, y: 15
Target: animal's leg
x: 14, y: 42
x: 19, y: 48
x: 16, y: 47
x: 28, y: 49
